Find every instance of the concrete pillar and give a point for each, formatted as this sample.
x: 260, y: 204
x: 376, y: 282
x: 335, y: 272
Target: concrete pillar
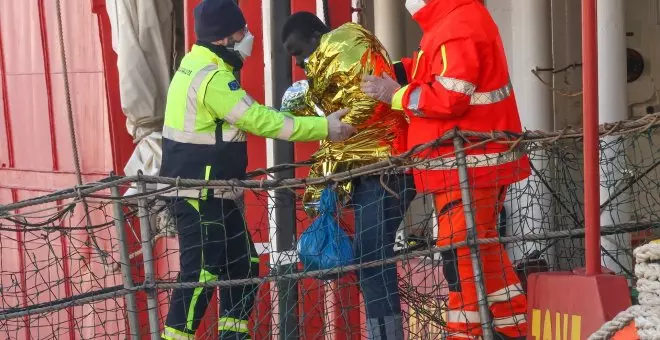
x: 612, y: 102
x: 389, y: 27
x: 530, y: 201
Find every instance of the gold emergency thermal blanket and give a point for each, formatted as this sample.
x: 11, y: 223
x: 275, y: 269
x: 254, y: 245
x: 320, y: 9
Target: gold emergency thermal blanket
x: 334, y: 72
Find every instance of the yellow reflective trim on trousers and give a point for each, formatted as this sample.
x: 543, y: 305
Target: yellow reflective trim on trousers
x: 170, y: 333
x: 204, y: 276
x: 419, y: 55
x: 233, y: 325
x: 207, y: 175
x: 193, y: 203
x: 443, y: 52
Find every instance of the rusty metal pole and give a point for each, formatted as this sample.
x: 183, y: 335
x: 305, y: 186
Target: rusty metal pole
x: 148, y: 259
x: 484, y: 311
x: 125, y: 262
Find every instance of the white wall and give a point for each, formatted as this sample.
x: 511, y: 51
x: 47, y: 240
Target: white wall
x: 643, y: 21
x: 413, y: 33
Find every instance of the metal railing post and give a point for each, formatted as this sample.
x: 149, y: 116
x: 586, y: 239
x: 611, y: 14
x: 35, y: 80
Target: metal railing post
x: 484, y: 311
x: 125, y: 262
x: 147, y: 257
x: 285, y: 201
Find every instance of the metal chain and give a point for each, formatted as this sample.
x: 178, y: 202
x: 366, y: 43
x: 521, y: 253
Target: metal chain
x: 72, y: 128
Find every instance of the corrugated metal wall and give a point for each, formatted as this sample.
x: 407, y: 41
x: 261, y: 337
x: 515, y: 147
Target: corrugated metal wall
x: 34, y: 112
x: 36, y: 158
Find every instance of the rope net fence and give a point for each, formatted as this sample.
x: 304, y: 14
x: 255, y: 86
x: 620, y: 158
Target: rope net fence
x: 115, y: 271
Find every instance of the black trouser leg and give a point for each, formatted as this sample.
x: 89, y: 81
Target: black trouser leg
x: 240, y: 261
x: 213, y: 242
x: 188, y: 305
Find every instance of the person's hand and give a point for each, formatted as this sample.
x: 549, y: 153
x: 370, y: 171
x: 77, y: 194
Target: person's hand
x: 338, y: 130
x: 380, y: 88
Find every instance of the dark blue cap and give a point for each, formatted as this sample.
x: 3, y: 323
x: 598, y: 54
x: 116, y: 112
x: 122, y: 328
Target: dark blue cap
x: 217, y: 19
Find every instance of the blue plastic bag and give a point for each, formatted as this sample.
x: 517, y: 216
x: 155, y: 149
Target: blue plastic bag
x: 324, y: 245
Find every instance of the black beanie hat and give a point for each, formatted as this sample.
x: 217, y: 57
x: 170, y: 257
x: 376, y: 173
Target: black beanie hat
x: 217, y: 19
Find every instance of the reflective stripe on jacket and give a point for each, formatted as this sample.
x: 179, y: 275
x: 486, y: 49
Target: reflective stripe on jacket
x: 207, y: 117
x: 459, y: 79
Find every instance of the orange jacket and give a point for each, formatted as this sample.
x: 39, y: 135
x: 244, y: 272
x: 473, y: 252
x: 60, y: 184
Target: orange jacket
x: 459, y: 79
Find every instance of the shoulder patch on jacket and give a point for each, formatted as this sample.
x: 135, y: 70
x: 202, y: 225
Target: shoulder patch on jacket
x: 233, y: 85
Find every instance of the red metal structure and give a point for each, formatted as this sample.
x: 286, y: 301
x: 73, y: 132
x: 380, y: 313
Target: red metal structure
x: 36, y: 156
x: 591, y: 152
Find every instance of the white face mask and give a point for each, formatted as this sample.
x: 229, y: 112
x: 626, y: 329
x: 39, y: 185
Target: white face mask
x: 244, y: 47
x: 413, y: 6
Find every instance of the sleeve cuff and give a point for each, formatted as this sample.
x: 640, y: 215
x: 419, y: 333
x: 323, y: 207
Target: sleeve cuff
x: 308, y: 129
x: 400, y: 73
x: 397, y: 99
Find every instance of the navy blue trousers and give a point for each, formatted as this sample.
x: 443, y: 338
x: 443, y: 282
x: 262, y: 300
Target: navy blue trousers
x: 378, y: 215
x: 214, y: 244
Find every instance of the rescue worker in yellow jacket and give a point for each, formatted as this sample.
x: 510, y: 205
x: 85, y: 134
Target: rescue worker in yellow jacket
x: 204, y: 137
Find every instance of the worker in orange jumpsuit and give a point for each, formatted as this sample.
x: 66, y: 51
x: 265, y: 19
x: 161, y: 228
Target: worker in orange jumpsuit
x: 459, y: 79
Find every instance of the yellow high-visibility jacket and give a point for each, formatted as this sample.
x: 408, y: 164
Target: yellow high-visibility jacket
x: 207, y: 117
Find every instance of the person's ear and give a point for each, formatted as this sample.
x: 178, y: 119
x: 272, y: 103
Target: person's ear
x: 316, y: 38
x: 222, y: 42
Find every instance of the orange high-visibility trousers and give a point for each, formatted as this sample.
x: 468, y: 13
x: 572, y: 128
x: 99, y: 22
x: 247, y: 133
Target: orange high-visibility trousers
x: 507, y: 301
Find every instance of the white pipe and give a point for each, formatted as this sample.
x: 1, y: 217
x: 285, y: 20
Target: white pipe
x: 612, y: 100
x: 531, y: 48
x: 270, y: 159
x: 389, y: 27
x: 319, y: 11
x: 268, y: 88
